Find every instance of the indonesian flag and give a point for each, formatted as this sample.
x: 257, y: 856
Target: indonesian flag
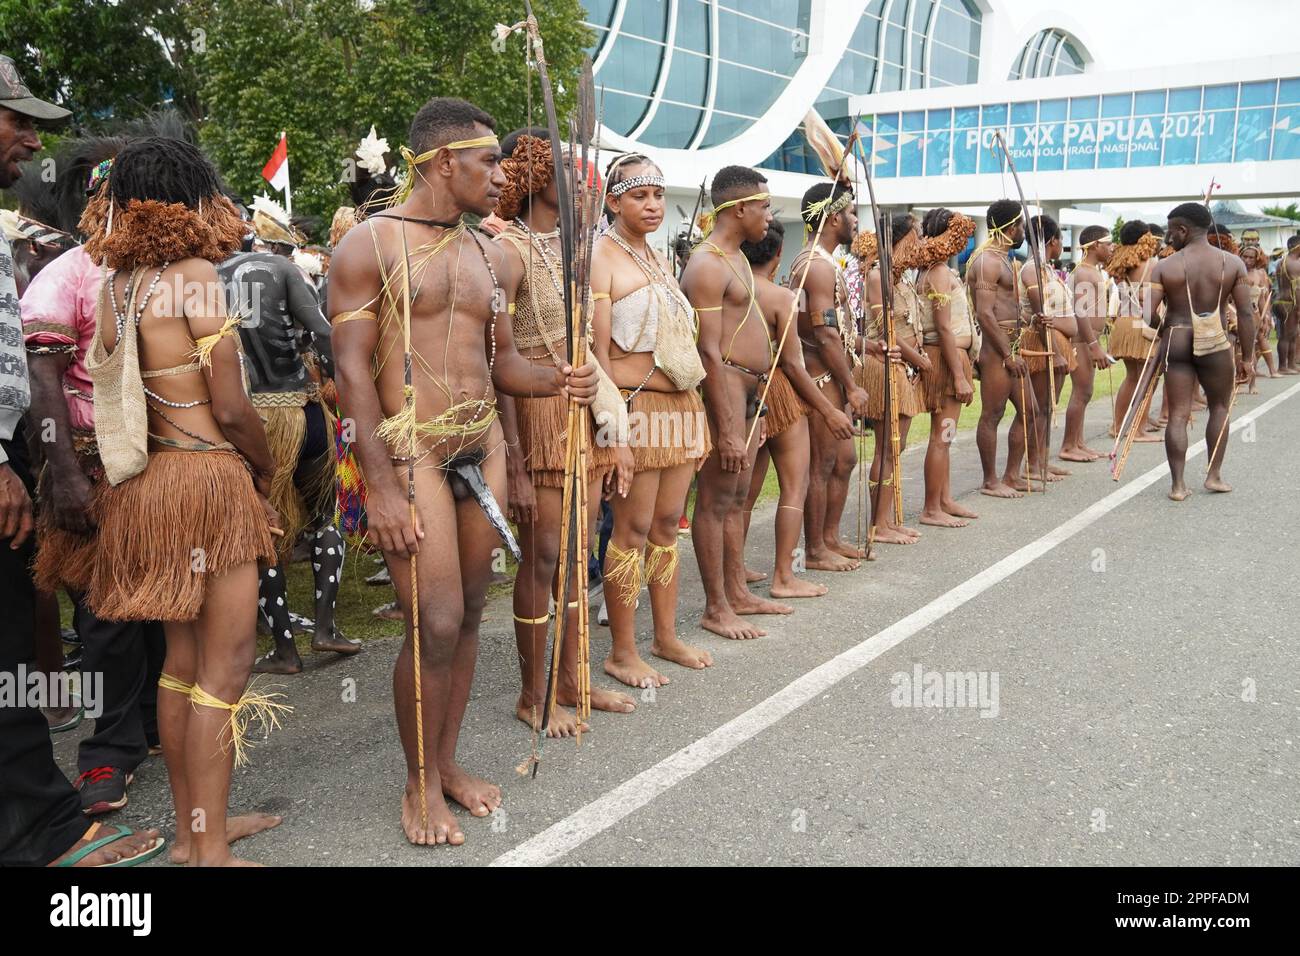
x: 276, y: 170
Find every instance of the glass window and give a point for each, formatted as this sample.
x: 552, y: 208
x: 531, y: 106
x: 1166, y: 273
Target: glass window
x: 991, y: 159
x: 688, y: 79
x: 1051, y: 145
x: 965, y: 117
x: 692, y: 26
x: 1149, y: 103
x: 1216, y: 128
x: 994, y: 115
x: 1069, y: 61
x: 914, y: 121
x: 891, y: 78
x: 1023, y: 142
x: 623, y: 112
x: 633, y: 66
x: 938, y: 119
x: 723, y: 127
x: 1181, y: 101
x: 911, y: 154
x: 1221, y: 97
x: 1113, y: 138
x: 958, y: 31
x: 894, y: 43
x: 1144, y: 149
x: 646, y: 18
x: 1083, y: 107
x: 748, y: 41
x: 746, y: 92
x: 672, y: 126
x: 1286, y: 144
x: 1180, y: 138
x: 1259, y: 94
x: 783, y: 12
x: 965, y: 149
x: 1024, y: 113
x: 1254, y: 128
x: 1288, y: 91
x: 1117, y: 105
x: 1051, y: 110
x: 938, y: 162
x: 887, y: 124
x: 599, y: 12
x: 920, y: 14
x: 947, y: 66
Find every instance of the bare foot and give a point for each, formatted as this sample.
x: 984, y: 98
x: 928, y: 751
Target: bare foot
x: 942, y: 519
x: 244, y: 825
x: 829, y: 561
x: 754, y: 576
x: 1148, y: 437
x: 1092, y: 451
x: 747, y: 603
x: 910, y: 532
x: 727, y: 624
x: 794, y: 587
x: 1254, y: 390
x: 1214, y: 483
x: 563, y: 723
x: 1076, y: 454
x: 124, y: 847
x: 475, y: 794
x: 847, y: 550
x: 1018, y: 483
x: 1001, y: 489
x: 892, y: 536
x: 634, y: 672
x: 274, y: 663
x: 679, y: 652
x: 1052, y: 475
x: 335, y: 642
x: 440, y: 824
x: 957, y: 511
x: 613, y: 701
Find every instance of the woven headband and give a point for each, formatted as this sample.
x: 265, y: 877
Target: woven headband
x: 413, y: 161
x: 826, y: 207
x: 645, y: 179
x: 709, y: 218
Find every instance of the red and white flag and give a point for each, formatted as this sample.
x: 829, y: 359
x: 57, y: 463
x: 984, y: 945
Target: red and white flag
x: 276, y: 170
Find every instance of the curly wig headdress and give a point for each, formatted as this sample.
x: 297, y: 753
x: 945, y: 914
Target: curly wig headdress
x: 1125, y: 258
x: 161, y: 202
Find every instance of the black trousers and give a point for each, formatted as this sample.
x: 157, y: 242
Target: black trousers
x: 126, y: 658
x: 40, y: 813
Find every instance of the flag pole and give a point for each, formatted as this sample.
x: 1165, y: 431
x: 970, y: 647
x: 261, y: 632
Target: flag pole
x: 288, y: 195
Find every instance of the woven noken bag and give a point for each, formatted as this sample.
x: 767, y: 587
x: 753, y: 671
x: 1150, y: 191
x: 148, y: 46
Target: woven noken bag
x: 121, y: 415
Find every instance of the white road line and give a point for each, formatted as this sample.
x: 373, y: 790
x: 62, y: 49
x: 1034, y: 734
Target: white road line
x: 631, y: 795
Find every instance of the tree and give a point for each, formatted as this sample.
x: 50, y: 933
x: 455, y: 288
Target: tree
x: 1289, y: 211
x: 324, y: 71
x: 1115, y: 229
x: 101, y: 59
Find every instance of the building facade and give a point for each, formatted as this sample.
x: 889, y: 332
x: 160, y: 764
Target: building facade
x: 1089, y: 111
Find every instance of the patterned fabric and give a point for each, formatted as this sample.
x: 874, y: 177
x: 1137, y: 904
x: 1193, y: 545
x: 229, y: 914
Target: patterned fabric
x: 59, y: 310
x: 15, y: 393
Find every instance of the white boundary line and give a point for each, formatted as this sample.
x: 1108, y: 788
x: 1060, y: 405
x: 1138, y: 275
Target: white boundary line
x: 631, y: 795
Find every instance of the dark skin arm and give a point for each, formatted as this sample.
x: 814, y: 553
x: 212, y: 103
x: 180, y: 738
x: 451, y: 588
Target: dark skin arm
x: 521, y: 495
x: 15, y: 508
x: 1245, y: 317
x: 819, y: 294
x: 705, y: 284
x: 984, y: 290
x: 304, y: 307
x: 1089, y: 297
x: 781, y: 302
x: 69, y: 491
x: 355, y: 284
x: 907, y: 353
x: 940, y: 279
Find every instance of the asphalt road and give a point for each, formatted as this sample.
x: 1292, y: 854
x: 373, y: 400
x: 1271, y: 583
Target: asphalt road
x: 1139, y: 704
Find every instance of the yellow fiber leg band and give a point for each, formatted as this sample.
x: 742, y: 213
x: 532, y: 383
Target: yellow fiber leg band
x: 623, y: 570
x: 252, y: 705
x: 168, y: 682
x: 661, y: 563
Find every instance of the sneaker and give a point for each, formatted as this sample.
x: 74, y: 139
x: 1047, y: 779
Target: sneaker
x: 602, y: 616
x: 388, y: 612
x: 103, y: 789
x: 379, y: 578
x: 683, y: 525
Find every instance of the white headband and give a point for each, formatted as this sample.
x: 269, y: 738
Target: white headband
x: 619, y: 188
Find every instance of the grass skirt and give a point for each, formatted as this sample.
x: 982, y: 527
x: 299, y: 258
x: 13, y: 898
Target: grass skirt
x: 907, y: 394
x: 187, y: 515
x: 666, y: 429
x: 784, y: 407
x: 543, y: 424
x: 1063, y: 358
x: 1126, y: 339
x: 939, y: 384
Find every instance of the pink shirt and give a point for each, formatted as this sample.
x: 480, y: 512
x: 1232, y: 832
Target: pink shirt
x: 58, y: 308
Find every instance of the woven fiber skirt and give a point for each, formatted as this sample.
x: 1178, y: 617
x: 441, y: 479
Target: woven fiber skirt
x: 1126, y: 339
x: 1064, y: 358
x: 666, y: 429
x: 284, y: 416
x: 939, y: 384
x: 784, y: 407
x: 906, y: 393
x: 543, y: 424
x: 189, y: 514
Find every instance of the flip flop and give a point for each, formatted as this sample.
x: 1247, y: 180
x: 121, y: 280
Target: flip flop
x: 119, y: 831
